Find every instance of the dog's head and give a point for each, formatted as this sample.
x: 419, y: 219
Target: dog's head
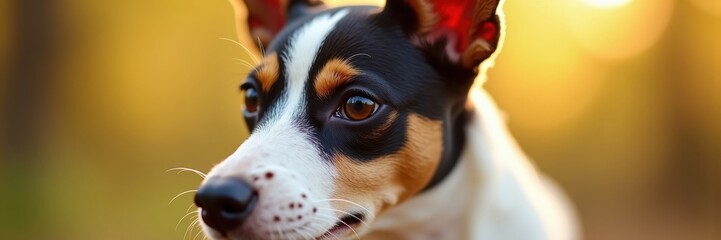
x: 351, y: 110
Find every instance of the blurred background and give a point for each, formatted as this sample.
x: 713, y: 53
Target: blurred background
x: 617, y: 100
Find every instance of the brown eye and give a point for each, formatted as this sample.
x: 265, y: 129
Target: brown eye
x: 357, y: 108
x: 251, y: 100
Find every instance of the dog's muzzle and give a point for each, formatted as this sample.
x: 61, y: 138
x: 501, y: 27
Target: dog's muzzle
x: 225, y: 202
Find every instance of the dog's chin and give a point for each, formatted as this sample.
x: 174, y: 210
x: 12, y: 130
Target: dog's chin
x: 348, y: 227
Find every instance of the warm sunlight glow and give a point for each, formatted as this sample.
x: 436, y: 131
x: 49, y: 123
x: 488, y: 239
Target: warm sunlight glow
x: 619, y: 32
x: 607, y: 3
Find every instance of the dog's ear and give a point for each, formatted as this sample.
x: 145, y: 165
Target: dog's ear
x: 265, y: 18
x: 469, y: 29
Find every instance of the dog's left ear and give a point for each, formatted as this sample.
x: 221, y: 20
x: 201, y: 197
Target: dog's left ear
x: 470, y: 29
x: 266, y: 18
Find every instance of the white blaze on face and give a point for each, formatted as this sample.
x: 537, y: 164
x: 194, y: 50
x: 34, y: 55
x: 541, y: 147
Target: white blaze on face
x: 282, y: 146
x: 299, y: 57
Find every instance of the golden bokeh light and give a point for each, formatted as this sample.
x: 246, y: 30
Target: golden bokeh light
x: 607, y: 3
x: 620, y: 32
x: 539, y: 57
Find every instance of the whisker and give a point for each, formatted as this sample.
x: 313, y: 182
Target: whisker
x: 346, y: 201
x: 282, y: 235
x: 244, y: 48
x: 262, y: 50
x: 303, y: 232
x: 190, y: 227
x: 357, y: 54
x: 352, y: 215
x: 323, y: 229
x: 330, y: 219
x: 341, y: 221
x: 181, y: 194
x: 198, y: 234
x: 184, y: 169
x: 243, y: 62
x: 271, y: 234
x: 197, y: 228
x: 245, y: 71
x: 189, y: 207
x: 312, y: 225
x: 181, y: 220
x: 291, y: 236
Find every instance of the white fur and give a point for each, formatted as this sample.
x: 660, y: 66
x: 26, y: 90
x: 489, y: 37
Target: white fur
x: 494, y: 193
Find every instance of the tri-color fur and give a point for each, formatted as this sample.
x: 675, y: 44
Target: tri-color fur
x: 427, y: 164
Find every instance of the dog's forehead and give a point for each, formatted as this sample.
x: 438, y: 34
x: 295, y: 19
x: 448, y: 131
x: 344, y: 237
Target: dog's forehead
x: 351, y: 15
x: 297, y: 54
x: 357, y: 34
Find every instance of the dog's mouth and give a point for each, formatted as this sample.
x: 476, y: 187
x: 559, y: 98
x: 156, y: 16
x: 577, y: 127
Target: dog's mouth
x: 346, y: 224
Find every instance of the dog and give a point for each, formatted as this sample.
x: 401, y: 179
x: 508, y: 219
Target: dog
x: 366, y: 123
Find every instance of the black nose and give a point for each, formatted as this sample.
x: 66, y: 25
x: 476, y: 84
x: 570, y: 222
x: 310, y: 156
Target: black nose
x: 225, y: 202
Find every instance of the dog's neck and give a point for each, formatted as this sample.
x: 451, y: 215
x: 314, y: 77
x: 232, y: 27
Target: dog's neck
x: 453, y: 142
x: 435, y: 213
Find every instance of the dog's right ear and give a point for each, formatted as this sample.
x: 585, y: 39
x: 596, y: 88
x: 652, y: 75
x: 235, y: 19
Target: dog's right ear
x: 265, y: 18
x: 470, y: 29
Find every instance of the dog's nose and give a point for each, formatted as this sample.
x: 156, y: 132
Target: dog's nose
x: 225, y: 202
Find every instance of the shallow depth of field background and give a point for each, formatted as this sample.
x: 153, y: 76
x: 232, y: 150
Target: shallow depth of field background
x: 617, y: 100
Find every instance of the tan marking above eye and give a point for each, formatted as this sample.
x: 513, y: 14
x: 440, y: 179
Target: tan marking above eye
x: 391, y: 179
x: 335, y: 73
x: 267, y: 72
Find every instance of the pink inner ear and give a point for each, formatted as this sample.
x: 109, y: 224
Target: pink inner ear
x: 457, y: 16
x: 488, y: 31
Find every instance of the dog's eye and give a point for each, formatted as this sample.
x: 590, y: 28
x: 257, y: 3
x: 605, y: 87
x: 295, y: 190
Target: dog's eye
x: 251, y: 100
x: 357, y: 108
